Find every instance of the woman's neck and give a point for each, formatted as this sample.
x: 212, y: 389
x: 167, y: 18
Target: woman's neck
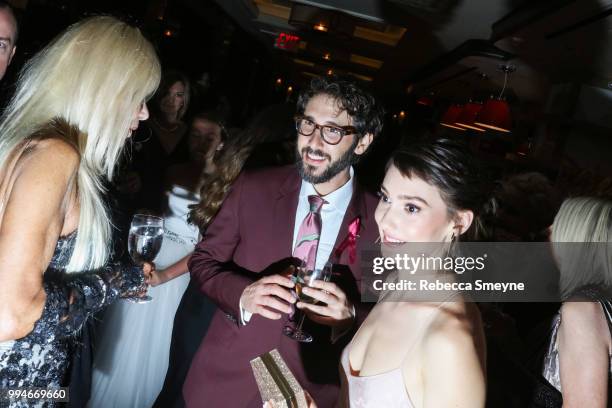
x: 209, y: 167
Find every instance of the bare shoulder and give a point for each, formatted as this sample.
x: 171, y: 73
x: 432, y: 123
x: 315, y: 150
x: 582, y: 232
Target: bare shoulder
x: 453, y: 362
x: 455, y: 334
x: 579, y: 310
x: 56, y: 152
x: 52, y: 163
x: 456, y: 317
x: 47, y: 169
x: 584, y: 317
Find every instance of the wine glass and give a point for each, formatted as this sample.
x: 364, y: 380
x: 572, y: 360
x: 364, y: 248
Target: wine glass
x: 304, y: 277
x: 144, y: 242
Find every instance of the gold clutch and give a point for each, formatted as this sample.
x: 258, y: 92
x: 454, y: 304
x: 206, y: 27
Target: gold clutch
x: 276, y: 382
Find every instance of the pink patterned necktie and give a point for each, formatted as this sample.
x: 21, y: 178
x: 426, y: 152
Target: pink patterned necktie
x: 309, y: 233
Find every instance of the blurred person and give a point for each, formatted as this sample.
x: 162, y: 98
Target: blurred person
x: 528, y: 203
x: 161, y: 143
x: 76, y: 103
x: 241, y: 262
x: 274, y: 131
x: 578, y: 362
x: 195, y: 311
x: 134, y: 340
x: 8, y: 36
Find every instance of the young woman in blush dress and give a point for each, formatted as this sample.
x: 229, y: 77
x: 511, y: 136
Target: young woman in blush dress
x: 427, y: 352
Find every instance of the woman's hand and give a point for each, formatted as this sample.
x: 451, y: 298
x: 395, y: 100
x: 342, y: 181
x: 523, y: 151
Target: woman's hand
x: 148, y: 269
x: 157, y: 278
x: 137, y: 287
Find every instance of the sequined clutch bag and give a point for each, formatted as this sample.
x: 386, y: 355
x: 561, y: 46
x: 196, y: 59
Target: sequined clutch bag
x: 276, y: 382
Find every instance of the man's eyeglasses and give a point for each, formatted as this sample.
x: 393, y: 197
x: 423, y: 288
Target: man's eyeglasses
x: 331, y: 134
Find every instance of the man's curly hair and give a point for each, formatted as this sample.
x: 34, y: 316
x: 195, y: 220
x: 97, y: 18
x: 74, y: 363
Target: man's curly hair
x: 365, y: 112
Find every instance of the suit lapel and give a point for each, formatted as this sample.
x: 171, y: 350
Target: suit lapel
x: 285, y: 207
x: 356, y: 209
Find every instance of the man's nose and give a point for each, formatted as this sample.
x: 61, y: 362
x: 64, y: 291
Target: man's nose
x: 316, y: 139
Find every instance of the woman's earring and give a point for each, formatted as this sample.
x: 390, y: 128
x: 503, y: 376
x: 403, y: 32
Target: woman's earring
x: 451, y: 245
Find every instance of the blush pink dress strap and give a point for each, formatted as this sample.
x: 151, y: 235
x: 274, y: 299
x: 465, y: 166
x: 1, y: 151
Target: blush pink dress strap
x: 387, y: 389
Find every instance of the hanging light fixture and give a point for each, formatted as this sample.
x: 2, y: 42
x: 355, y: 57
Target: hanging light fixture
x: 468, y: 115
x: 450, y: 117
x: 470, y: 111
x: 495, y: 114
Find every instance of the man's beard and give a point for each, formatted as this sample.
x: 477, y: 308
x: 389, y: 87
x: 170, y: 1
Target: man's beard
x: 333, y: 169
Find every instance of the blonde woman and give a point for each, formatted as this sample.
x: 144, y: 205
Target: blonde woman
x: 76, y: 102
x: 578, y: 361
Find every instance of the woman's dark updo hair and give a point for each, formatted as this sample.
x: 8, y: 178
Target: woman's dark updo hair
x: 454, y: 171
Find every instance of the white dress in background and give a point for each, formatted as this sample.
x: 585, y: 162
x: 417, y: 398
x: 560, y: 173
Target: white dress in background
x: 133, y: 345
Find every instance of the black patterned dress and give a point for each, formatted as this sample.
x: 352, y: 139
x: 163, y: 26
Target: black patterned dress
x: 42, y: 358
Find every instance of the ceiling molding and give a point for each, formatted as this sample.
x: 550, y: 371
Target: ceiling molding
x: 524, y: 15
x: 470, y: 48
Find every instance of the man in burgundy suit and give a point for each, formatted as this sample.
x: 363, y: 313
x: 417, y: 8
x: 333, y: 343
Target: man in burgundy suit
x: 241, y: 263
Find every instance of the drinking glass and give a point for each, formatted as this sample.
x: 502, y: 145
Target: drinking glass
x: 144, y: 242
x: 303, y: 277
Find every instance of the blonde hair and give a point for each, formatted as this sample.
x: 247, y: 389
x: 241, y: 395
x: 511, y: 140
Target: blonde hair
x: 586, y: 223
x: 95, y: 76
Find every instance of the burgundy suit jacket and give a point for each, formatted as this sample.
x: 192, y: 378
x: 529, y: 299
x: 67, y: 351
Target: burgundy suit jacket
x: 254, y: 229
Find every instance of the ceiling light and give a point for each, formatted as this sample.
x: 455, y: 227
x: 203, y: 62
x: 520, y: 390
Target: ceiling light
x: 496, y: 112
x: 450, y: 117
x: 468, y: 115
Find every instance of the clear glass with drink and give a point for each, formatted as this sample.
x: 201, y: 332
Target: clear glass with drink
x: 304, y: 277
x: 144, y: 242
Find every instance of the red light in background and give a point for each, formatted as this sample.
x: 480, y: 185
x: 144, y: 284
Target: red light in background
x: 495, y: 115
x: 286, y: 41
x: 425, y: 101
